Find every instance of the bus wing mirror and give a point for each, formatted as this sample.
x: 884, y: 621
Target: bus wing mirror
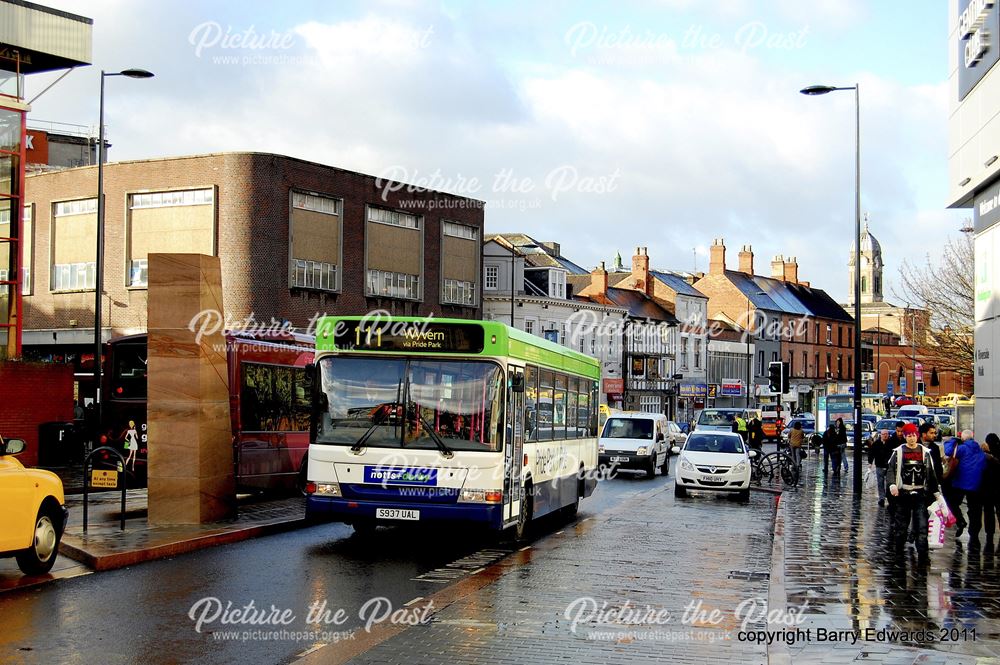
x: 517, y: 383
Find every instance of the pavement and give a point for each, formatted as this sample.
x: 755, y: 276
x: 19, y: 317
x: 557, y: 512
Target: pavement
x: 800, y: 577
x: 831, y: 567
x: 106, y: 547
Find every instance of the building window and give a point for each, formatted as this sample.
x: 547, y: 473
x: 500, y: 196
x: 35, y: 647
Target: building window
x: 393, y: 217
x: 386, y: 284
x: 316, y: 203
x: 557, y: 284
x: 188, y: 197
x: 74, y: 276
x: 529, y: 326
x: 138, y: 272
x: 684, y: 352
x: 760, y: 363
x: 649, y: 403
x: 459, y: 292
x: 864, y: 285
x: 460, y: 230
x: 840, y: 366
x: 314, y: 275
x: 79, y: 207
x: 697, y: 354
x: 805, y: 364
x: 791, y: 363
x: 492, y: 281
x: 829, y: 334
x: 816, y: 368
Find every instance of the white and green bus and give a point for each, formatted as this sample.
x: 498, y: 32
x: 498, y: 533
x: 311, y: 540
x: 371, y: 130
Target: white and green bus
x: 448, y: 420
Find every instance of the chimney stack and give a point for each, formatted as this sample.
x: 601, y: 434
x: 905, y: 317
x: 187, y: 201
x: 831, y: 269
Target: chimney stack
x: 778, y: 267
x: 791, y: 272
x: 746, y: 260
x: 640, y: 270
x: 717, y: 257
x: 551, y: 248
x: 599, y: 281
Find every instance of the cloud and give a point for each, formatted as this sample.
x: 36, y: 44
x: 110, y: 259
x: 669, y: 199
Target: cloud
x: 624, y: 143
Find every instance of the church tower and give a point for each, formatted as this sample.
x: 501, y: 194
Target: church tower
x: 871, y: 269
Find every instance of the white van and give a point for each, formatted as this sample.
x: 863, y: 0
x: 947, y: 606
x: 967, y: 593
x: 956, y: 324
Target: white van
x: 635, y: 440
x: 911, y: 410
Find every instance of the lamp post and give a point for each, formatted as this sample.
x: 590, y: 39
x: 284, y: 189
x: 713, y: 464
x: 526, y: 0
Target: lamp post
x: 822, y: 90
x: 99, y: 259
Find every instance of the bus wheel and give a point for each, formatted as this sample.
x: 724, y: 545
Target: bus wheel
x: 572, y: 509
x: 522, y: 528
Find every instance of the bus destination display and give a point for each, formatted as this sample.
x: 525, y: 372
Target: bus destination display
x: 423, y: 336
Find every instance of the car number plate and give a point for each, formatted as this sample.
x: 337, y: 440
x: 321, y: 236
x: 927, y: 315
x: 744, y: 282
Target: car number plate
x: 714, y: 479
x: 619, y: 459
x: 396, y: 514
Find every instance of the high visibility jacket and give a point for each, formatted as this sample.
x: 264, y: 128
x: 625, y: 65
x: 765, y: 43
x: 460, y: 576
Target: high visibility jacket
x: 741, y: 425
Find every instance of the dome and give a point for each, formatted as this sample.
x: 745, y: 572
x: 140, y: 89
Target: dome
x: 869, y: 245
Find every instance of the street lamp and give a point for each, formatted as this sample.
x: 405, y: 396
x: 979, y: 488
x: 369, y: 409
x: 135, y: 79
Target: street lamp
x: 99, y: 259
x: 822, y: 90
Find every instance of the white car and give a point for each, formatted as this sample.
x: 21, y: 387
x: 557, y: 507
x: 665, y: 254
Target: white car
x: 716, y: 461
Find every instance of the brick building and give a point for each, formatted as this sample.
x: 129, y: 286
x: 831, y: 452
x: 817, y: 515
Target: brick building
x: 788, y: 318
x: 295, y: 239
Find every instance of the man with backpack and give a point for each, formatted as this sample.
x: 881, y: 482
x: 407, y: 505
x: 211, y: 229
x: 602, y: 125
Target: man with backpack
x: 913, y: 482
x: 966, y: 463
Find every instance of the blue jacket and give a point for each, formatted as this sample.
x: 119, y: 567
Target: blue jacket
x: 971, y: 464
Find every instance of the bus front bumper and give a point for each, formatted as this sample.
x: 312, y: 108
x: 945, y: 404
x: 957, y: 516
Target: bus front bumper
x: 337, y: 509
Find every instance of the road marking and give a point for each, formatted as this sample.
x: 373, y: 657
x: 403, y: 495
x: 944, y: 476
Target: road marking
x: 558, y: 532
x: 525, y: 548
x: 418, y: 598
x: 478, y: 570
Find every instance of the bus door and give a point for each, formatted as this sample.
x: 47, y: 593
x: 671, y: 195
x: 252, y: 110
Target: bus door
x: 514, y: 448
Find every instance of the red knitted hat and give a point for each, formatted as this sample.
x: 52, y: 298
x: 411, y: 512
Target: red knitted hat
x: 910, y: 428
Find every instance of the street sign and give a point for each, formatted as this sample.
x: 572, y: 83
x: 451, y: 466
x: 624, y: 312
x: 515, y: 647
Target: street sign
x: 888, y: 388
x: 850, y: 389
x: 100, y: 478
x: 918, y: 372
x: 902, y: 386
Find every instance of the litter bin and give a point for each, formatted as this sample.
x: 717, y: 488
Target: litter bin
x: 58, y: 444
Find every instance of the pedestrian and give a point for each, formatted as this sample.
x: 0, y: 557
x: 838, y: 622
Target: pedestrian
x: 913, y: 480
x: 991, y: 489
x: 740, y: 426
x: 755, y: 434
x: 842, y: 441
x: 964, y: 483
x: 878, y: 461
x: 78, y: 412
x: 795, y: 440
x: 832, y: 446
x: 928, y: 439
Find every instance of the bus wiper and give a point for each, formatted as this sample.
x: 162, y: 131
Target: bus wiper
x: 377, y: 421
x: 435, y: 437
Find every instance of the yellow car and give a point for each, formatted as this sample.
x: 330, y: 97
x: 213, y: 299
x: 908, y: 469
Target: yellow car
x: 34, y: 512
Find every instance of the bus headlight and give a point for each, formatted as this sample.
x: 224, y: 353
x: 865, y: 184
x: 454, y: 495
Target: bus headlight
x: 481, y: 496
x: 328, y: 489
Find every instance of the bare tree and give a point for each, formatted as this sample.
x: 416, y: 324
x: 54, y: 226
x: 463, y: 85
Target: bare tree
x: 944, y: 286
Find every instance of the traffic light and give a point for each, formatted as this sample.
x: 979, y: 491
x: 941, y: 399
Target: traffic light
x: 920, y: 387
x: 774, y: 376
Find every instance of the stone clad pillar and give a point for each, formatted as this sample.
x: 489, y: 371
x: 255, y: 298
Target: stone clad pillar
x: 190, y: 442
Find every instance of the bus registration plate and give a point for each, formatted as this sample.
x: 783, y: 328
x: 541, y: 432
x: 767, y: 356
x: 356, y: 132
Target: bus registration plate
x: 396, y: 514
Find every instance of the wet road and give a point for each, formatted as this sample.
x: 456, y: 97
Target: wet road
x: 140, y: 614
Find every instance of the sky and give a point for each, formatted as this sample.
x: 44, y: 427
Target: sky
x: 601, y: 126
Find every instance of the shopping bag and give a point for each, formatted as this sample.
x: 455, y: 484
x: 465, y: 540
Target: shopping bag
x: 935, y: 531
x: 941, y: 507
x: 869, y: 479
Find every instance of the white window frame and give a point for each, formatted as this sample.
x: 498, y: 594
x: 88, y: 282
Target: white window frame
x: 142, y: 266
x: 649, y: 404
x: 458, y: 230
x: 74, y: 276
x: 314, y: 275
x: 404, y: 220
x: 458, y: 292
x: 684, y: 352
x: 491, y: 278
x: 168, y: 199
x: 76, y: 207
x: 384, y: 284
x: 529, y: 325
x: 327, y: 205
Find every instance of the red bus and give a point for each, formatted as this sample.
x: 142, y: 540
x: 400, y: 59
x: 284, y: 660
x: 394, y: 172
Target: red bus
x: 269, y: 394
